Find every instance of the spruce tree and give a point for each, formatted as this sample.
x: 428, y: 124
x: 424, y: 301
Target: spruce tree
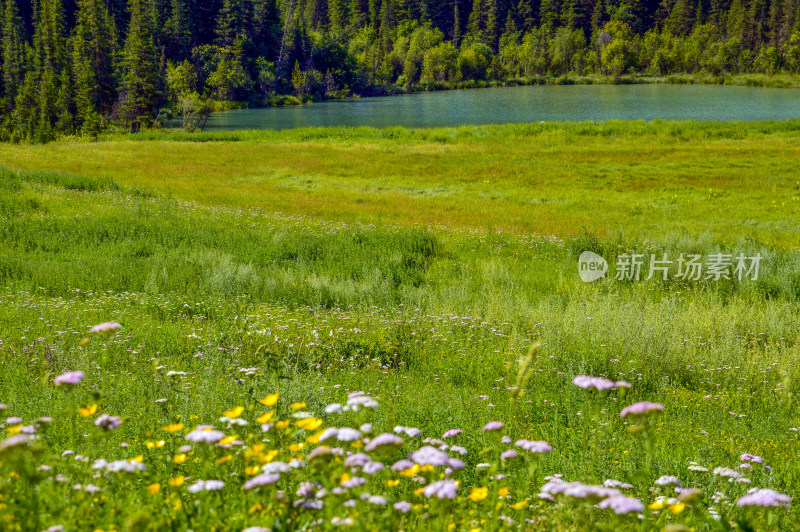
x: 93, y: 51
x: 13, y: 48
x: 138, y: 96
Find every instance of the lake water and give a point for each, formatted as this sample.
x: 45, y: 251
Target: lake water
x: 527, y: 104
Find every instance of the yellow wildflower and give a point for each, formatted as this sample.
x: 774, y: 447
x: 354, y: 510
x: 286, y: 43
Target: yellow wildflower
x: 234, y: 412
x: 411, y: 471
x: 309, y: 423
x: 88, y: 411
x: 175, y: 427
x: 392, y: 483
x: 269, y: 456
x: 657, y: 504
x: 154, y: 444
x: 270, y: 400
x: 252, y: 470
x: 296, y: 447
x: 177, y: 481
x: 224, y: 459
x: 154, y: 488
x: 478, y: 494
x: 503, y: 492
x: 137, y: 459
x: 314, y: 438
x: 677, y: 508
x: 419, y: 491
x: 519, y: 505
x: 179, y: 458
x: 266, y: 417
x: 297, y: 406
x: 280, y: 425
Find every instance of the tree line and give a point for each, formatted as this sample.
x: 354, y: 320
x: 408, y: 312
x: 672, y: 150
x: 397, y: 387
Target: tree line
x: 75, y: 66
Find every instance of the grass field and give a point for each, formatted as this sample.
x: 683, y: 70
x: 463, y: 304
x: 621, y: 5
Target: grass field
x: 436, y: 272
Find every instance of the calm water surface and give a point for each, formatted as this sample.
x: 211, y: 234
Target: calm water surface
x: 527, y: 104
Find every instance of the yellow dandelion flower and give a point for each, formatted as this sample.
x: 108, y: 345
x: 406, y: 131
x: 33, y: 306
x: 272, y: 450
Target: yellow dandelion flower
x: 314, y: 438
x: 503, y: 492
x: 256, y: 508
x: 234, y: 412
x: 175, y: 427
x: 269, y: 456
x: 296, y: 447
x: 154, y: 488
x: 139, y: 459
x: 88, y: 411
x: 677, y: 508
x: 657, y: 504
x: 270, y: 400
x: 179, y: 458
x: 154, y: 444
x: 177, y: 481
x: 280, y: 425
x: 297, y: 406
x: 14, y: 430
x: 309, y: 423
x: 345, y: 477
x: 227, y: 440
x: 225, y: 459
x: 478, y: 494
x: 519, y: 505
x: 392, y: 483
x: 411, y: 471
x: 419, y: 491
x: 252, y: 470
x: 266, y: 417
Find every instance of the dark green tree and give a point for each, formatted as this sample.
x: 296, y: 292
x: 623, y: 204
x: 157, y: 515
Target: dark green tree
x: 138, y: 88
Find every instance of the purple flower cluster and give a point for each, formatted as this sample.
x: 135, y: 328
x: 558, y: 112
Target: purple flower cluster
x: 642, y: 408
x: 261, y: 480
x: 536, y: 447
x: 441, y: 489
x: 764, y: 498
x: 622, y: 504
x: 70, y: 378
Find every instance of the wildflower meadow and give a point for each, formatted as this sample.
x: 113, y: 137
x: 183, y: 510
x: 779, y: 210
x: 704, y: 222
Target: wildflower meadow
x: 172, y: 364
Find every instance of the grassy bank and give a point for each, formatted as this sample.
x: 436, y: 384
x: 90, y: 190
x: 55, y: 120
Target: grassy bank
x: 382, y: 277
x: 647, y: 179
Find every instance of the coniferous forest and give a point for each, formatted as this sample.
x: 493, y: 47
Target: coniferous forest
x: 75, y: 66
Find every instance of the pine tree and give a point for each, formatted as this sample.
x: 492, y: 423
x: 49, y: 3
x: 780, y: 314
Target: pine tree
x: 526, y: 14
x: 456, y: 25
x: 12, y: 47
x: 140, y: 68
x: 49, y: 66
x: 230, y: 23
x: 681, y: 18
x: 548, y: 13
x: 179, y: 33
x: 388, y: 23
x: 93, y: 51
x: 338, y: 14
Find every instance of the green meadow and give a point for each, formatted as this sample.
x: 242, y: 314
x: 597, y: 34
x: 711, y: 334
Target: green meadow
x: 420, y: 279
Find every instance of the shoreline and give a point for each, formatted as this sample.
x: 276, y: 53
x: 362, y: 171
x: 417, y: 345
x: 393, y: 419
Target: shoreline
x: 734, y: 80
